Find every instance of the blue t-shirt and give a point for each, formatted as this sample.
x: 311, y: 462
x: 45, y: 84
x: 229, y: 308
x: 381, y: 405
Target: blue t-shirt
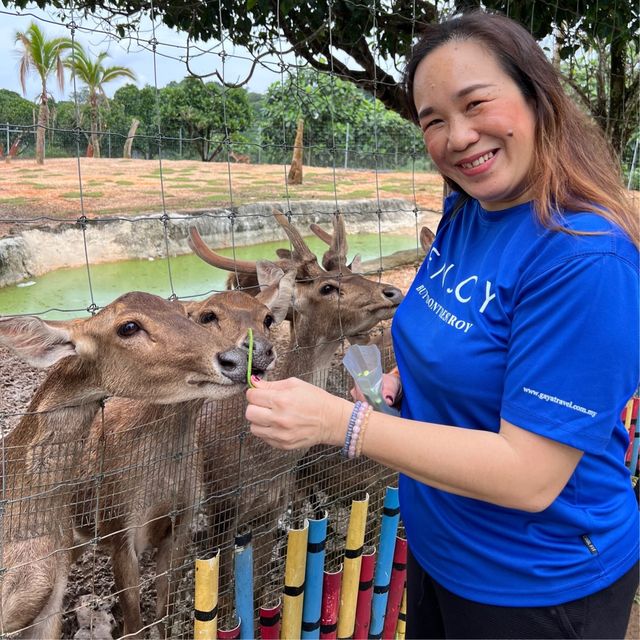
x: 508, y: 319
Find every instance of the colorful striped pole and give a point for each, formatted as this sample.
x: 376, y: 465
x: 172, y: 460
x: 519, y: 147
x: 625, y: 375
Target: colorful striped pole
x: 205, y: 626
x: 270, y: 621
x: 384, y: 564
x: 294, y: 573
x: 352, y: 562
x: 365, y: 594
x: 243, y: 566
x: 232, y: 632
x: 402, y: 617
x: 312, y: 608
x: 331, y: 587
x: 631, y: 424
x: 396, y: 589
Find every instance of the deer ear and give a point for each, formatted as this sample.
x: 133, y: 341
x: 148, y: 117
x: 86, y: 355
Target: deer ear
x: 356, y: 264
x: 426, y: 238
x: 278, y: 291
x: 37, y: 342
x: 284, y: 254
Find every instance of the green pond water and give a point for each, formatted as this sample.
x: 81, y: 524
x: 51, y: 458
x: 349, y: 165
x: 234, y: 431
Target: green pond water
x: 65, y: 293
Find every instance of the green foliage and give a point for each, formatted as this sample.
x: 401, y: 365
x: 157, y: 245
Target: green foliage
x: 15, y: 109
x: 212, y: 116
x: 332, y: 109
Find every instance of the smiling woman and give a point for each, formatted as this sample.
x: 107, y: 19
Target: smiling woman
x: 517, y: 505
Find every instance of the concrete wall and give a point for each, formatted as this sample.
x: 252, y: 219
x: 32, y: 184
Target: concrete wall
x: 39, y: 250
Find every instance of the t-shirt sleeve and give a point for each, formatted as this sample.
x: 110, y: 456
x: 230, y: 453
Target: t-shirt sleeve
x: 573, y: 351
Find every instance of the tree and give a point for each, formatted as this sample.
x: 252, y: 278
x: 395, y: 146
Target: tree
x: 212, y: 115
x: 15, y: 109
x: 44, y: 57
x: 129, y: 103
x: 95, y: 76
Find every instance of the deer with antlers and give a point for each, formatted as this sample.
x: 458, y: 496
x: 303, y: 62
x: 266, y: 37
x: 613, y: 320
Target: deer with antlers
x: 149, y: 457
x: 329, y: 302
x: 140, y: 346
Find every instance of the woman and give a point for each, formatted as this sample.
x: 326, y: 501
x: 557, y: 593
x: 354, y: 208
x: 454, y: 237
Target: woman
x: 517, y: 350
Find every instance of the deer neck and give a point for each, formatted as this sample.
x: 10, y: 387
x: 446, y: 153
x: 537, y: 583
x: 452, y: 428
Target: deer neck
x: 310, y: 350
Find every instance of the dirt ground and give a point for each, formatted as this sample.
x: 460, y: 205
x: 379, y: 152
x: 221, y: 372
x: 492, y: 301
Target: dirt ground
x: 132, y: 187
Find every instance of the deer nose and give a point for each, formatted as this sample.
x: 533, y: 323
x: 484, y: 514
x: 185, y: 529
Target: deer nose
x: 263, y: 354
x: 233, y: 364
x: 393, y: 294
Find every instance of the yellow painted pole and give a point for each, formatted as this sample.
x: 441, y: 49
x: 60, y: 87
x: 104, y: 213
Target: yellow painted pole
x: 352, y: 562
x: 294, y: 573
x: 205, y: 626
x: 402, y: 617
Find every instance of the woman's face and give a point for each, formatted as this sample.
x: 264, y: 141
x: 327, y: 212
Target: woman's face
x: 477, y: 126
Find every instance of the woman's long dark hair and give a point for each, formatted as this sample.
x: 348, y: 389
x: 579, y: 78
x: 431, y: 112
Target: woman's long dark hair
x: 574, y: 167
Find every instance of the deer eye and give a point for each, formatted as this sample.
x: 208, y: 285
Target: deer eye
x: 327, y: 289
x: 127, y: 329
x: 207, y: 317
x: 268, y: 321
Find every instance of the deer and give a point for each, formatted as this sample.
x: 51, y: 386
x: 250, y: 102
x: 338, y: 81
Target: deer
x: 239, y: 157
x: 139, y: 346
x: 329, y: 302
x: 131, y: 510
x: 331, y: 470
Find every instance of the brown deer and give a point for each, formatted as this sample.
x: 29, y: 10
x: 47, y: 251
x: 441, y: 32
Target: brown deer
x: 139, y: 346
x: 239, y: 157
x: 329, y: 303
x: 149, y: 457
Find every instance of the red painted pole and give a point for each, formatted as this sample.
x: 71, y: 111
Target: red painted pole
x: 396, y: 588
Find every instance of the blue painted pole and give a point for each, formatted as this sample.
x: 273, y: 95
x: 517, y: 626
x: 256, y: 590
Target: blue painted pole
x: 312, y: 607
x: 384, y: 564
x: 243, y: 567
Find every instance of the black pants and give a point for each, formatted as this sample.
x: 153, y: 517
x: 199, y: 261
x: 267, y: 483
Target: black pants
x: 434, y: 612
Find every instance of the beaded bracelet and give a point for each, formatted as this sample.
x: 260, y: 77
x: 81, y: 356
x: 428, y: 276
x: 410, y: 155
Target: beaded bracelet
x: 363, y: 427
x: 357, y: 428
x: 350, y: 426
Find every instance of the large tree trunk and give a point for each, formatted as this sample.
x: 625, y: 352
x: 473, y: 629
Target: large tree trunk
x: 616, y: 94
x: 126, y: 153
x: 295, y: 172
x: 43, y: 117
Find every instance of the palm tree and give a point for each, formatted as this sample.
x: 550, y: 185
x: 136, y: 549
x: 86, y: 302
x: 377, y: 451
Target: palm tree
x: 95, y: 75
x: 43, y: 56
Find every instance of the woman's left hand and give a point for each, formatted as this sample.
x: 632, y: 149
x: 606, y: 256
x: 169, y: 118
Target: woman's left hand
x: 292, y: 414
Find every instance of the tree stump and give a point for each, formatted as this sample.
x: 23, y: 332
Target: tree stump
x: 295, y: 172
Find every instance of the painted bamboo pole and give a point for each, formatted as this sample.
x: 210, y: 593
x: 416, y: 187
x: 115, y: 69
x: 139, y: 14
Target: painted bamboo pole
x: 231, y: 632
x: 331, y: 587
x: 396, y: 589
x: 352, y: 562
x: 384, y: 563
x: 312, y: 607
x: 270, y: 618
x: 402, y: 617
x: 294, y: 573
x: 205, y: 626
x: 243, y: 567
x: 365, y: 595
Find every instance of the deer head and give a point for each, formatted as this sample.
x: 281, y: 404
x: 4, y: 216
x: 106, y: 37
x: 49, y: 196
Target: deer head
x: 335, y: 299
x: 139, y: 346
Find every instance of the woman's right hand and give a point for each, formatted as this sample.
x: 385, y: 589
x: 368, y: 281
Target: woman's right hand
x: 390, y: 390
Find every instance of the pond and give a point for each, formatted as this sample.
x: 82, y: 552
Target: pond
x: 65, y: 293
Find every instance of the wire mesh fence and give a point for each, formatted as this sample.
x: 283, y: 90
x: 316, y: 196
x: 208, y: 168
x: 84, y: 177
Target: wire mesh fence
x: 120, y: 512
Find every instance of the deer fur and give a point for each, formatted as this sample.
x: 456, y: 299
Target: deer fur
x: 149, y: 456
x: 139, y: 346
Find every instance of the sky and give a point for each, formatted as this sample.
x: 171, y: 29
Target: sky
x: 138, y: 56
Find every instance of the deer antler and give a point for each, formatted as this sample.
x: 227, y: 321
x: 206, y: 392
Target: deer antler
x: 302, y: 256
x: 201, y: 249
x: 336, y: 256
